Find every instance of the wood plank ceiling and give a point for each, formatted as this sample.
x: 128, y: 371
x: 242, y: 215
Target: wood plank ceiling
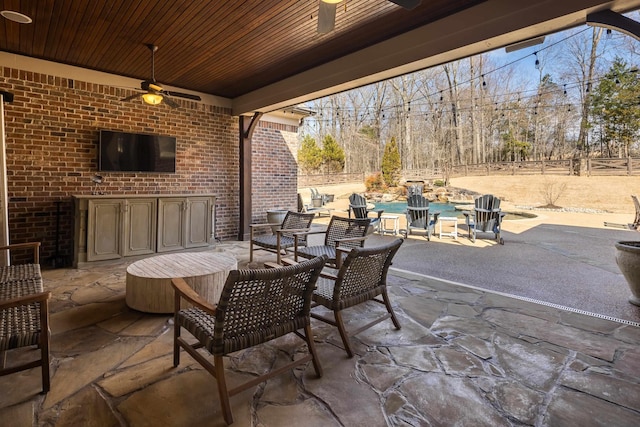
x: 224, y: 48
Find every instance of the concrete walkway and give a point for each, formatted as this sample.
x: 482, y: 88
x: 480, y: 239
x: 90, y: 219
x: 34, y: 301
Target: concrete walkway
x: 572, y: 266
x: 463, y: 357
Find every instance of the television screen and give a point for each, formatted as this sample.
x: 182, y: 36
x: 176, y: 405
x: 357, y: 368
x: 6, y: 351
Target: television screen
x: 136, y: 152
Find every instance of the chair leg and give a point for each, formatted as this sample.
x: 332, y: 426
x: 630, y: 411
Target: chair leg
x: 343, y: 333
x: 46, y: 378
x: 222, y: 389
x: 312, y: 349
x: 45, y: 337
x: 387, y: 303
x: 250, y: 252
x: 176, y: 344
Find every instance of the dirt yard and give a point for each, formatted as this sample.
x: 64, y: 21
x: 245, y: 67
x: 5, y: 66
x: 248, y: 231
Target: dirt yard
x: 603, y: 193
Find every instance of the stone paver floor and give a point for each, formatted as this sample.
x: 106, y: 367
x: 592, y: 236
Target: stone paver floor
x: 463, y: 357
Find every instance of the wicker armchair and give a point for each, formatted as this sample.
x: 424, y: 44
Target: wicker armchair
x: 24, y: 313
x: 361, y: 278
x: 256, y: 306
x: 344, y: 232
x: 283, y: 237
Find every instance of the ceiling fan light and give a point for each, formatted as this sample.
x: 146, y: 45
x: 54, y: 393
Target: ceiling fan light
x: 152, y: 98
x: 331, y: 1
x: 18, y: 17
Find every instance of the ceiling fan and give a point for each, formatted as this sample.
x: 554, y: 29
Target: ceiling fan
x: 154, y: 93
x: 327, y: 12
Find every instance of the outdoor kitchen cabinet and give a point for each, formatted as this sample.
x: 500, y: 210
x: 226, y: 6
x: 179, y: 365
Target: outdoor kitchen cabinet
x: 184, y: 222
x: 114, y: 227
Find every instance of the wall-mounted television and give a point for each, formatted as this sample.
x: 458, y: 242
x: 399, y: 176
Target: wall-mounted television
x: 136, y: 152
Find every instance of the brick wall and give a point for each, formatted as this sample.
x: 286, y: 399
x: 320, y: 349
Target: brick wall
x: 52, y: 130
x: 274, y: 183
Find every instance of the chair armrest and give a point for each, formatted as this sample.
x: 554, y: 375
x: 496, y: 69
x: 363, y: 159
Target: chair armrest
x: 183, y: 290
x: 378, y: 212
x: 328, y: 275
x: 34, y: 245
x: 350, y: 239
x: 292, y: 230
x: 309, y: 232
x: 24, y: 300
x: 265, y: 224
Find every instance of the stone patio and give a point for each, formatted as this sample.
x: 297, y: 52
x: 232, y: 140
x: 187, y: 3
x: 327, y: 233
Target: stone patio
x: 463, y: 356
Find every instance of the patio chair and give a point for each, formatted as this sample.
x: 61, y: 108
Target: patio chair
x: 361, y: 278
x: 316, y: 195
x: 24, y: 313
x: 418, y: 216
x: 283, y: 237
x: 256, y: 306
x: 358, y: 207
x: 344, y: 232
x: 486, y: 217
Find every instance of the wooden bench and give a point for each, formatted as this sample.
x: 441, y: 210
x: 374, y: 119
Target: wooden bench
x: 24, y: 312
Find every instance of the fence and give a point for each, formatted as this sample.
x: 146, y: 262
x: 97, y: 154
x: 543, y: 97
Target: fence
x: 337, y: 178
x: 588, y: 167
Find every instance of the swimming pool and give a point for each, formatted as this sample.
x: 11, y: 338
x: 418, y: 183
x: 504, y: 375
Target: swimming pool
x: 445, y: 209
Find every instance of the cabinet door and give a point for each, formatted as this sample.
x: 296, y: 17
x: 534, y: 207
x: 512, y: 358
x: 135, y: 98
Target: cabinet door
x: 140, y: 226
x: 171, y: 223
x: 199, y: 219
x: 104, y: 232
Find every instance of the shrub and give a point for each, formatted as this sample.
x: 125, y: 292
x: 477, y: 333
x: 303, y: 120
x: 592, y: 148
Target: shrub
x: 391, y: 164
x: 309, y: 155
x: 551, y: 191
x: 374, y: 182
x: 439, y: 183
x: 333, y: 155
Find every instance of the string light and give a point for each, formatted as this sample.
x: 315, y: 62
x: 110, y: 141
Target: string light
x: 537, y: 64
x: 505, y: 96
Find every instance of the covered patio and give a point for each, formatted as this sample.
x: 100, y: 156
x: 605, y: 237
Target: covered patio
x: 464, y: 355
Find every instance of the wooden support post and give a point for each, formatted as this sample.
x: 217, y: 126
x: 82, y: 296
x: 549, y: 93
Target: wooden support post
x: 247, y: 126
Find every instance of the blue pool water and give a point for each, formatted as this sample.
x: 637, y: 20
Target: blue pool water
x: 446, y: 209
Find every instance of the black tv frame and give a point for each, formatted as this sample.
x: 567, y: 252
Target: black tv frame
x: 136, y: 152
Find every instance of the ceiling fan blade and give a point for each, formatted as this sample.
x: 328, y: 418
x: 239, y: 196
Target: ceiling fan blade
x: 182, y: 95
x: 129, y: 98
x: 407, y: 4
x: 170, y: 102
x: 326, y: 17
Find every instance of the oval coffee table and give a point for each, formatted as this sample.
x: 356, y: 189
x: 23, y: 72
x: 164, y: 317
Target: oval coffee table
x: 149, y: 280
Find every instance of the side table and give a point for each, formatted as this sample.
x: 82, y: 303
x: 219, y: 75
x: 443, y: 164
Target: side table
x: 452, y: 219
x: 382, y: 225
